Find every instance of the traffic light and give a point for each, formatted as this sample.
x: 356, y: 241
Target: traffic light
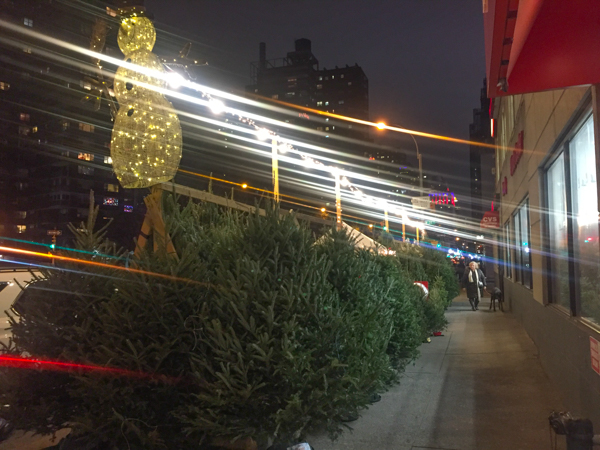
x: 53, y: 245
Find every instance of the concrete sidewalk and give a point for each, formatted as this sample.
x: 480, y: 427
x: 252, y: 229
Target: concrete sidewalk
x: 480, y: 386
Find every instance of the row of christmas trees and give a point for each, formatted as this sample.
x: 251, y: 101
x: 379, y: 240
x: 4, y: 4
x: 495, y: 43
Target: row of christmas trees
x: 256, y: 330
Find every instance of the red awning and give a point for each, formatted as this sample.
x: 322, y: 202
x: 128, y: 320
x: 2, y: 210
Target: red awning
x: 537, y: 45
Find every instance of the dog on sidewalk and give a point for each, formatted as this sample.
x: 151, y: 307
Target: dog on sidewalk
x: 496, y: 295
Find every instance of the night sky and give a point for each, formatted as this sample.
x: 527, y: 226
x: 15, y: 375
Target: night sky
x: 424, y: 58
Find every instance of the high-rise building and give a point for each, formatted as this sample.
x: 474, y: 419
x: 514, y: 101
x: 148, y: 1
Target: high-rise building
x: 55, y: 124
x: 482, y: 160
x: 298, y: 79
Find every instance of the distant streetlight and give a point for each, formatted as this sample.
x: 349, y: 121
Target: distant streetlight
x: 323, y: 210
x: 244, y: 186
x: 383, y: 126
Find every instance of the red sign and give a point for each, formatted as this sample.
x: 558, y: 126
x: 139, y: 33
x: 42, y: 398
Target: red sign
x: 515, y: 157
x: 491, y: 219
x: 595, y: 354
x: 504, y: 186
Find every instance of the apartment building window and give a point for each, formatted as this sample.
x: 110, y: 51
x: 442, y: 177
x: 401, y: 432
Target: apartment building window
x: 319, y: 86
x: 111, y: 187
x: 28, y: 22
x: 341, y: 102
x: 290, y: 94
x: 319, y: 103
x: 107, y: 160
x: 85, y: 156
x: 4, y: 86
x: 21, y: 229
x: 572, y: 225
x: 24, y: 117
x: 85, y: 170
x: 86, y: 127
x: 342, y: 76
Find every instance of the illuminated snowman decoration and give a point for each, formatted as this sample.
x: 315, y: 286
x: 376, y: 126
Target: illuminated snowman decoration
x: 146, y: 138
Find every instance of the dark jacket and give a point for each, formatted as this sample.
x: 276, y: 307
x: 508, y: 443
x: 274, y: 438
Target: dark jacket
x: 472, y: 287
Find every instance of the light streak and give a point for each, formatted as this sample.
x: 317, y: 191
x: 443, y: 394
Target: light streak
x: 98, y: 264
x: 69, y: 367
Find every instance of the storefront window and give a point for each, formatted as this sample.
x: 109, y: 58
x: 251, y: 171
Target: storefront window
x: 557, y: 232
x: 507, y: 250
x: 584, y: 197
x: 521, y: 245
x: 524, y: 245
x: 517, y: 247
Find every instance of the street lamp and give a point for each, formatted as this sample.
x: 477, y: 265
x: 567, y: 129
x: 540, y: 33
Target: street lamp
x: 383, y: 126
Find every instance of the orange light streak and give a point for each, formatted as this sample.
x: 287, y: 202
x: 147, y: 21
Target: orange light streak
x: 98, y: 264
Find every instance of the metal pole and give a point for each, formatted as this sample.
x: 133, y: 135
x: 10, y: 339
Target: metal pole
x: 275, y: 166
x: 338, y: 201
x: 387, y: 222
x: 417, y: 235
x: 403, y: 231
x: 420, y: 164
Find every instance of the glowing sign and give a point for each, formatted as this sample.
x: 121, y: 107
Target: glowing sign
x: 443, y: 198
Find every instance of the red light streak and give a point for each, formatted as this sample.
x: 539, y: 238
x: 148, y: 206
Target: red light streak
x: 61, y: 366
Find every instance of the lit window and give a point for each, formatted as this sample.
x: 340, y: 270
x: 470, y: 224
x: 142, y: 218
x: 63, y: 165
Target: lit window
x: 290, y: 94
x: 332, y: 77
x: 127, y: 208
x: 111, y: 12
x: 21, y: 214
x: 275, y: 96
x: 349, y: 83
x: 111, y: 201
x: 85, y: 84
x: 28, y: 22
x: 341, y: 102
x: 326, y: 128
x: 86, y: 156
x: 24, y: 131
x: 291, y: 80
x: 326, y: 103
x: 319, y: 128
x: 111, y: 187
x: 319, y: 86
x: 107, y: 160
x: 65, y: 125
x: 84, y: 170
x: 4, y: 86
x: 27, y: 50
x: 34, y: 130
x: 86, y: 127
x: 24, y: 117
x: 21, y: 228
x: 319, y: 103
x: 320, y: 78
x: 342, y: 76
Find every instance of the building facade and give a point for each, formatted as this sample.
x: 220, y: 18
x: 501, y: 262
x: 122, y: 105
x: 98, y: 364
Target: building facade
x: 297, y: 79
x: 547, y: 168
x: 481, y: 160
x: 55, y: 126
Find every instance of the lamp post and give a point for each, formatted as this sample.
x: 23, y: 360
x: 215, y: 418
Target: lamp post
x: 338, y: 200
x: 275, y: 166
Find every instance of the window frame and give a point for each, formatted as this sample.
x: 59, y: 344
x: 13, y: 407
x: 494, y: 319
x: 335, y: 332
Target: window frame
x: 563, y: 148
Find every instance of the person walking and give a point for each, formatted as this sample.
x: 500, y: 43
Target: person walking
x: 473, y: 281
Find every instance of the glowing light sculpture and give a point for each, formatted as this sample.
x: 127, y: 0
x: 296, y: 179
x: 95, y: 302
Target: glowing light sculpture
x: 146, y: 138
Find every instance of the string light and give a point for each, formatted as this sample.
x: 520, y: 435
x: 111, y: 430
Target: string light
x: 146, y: 138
